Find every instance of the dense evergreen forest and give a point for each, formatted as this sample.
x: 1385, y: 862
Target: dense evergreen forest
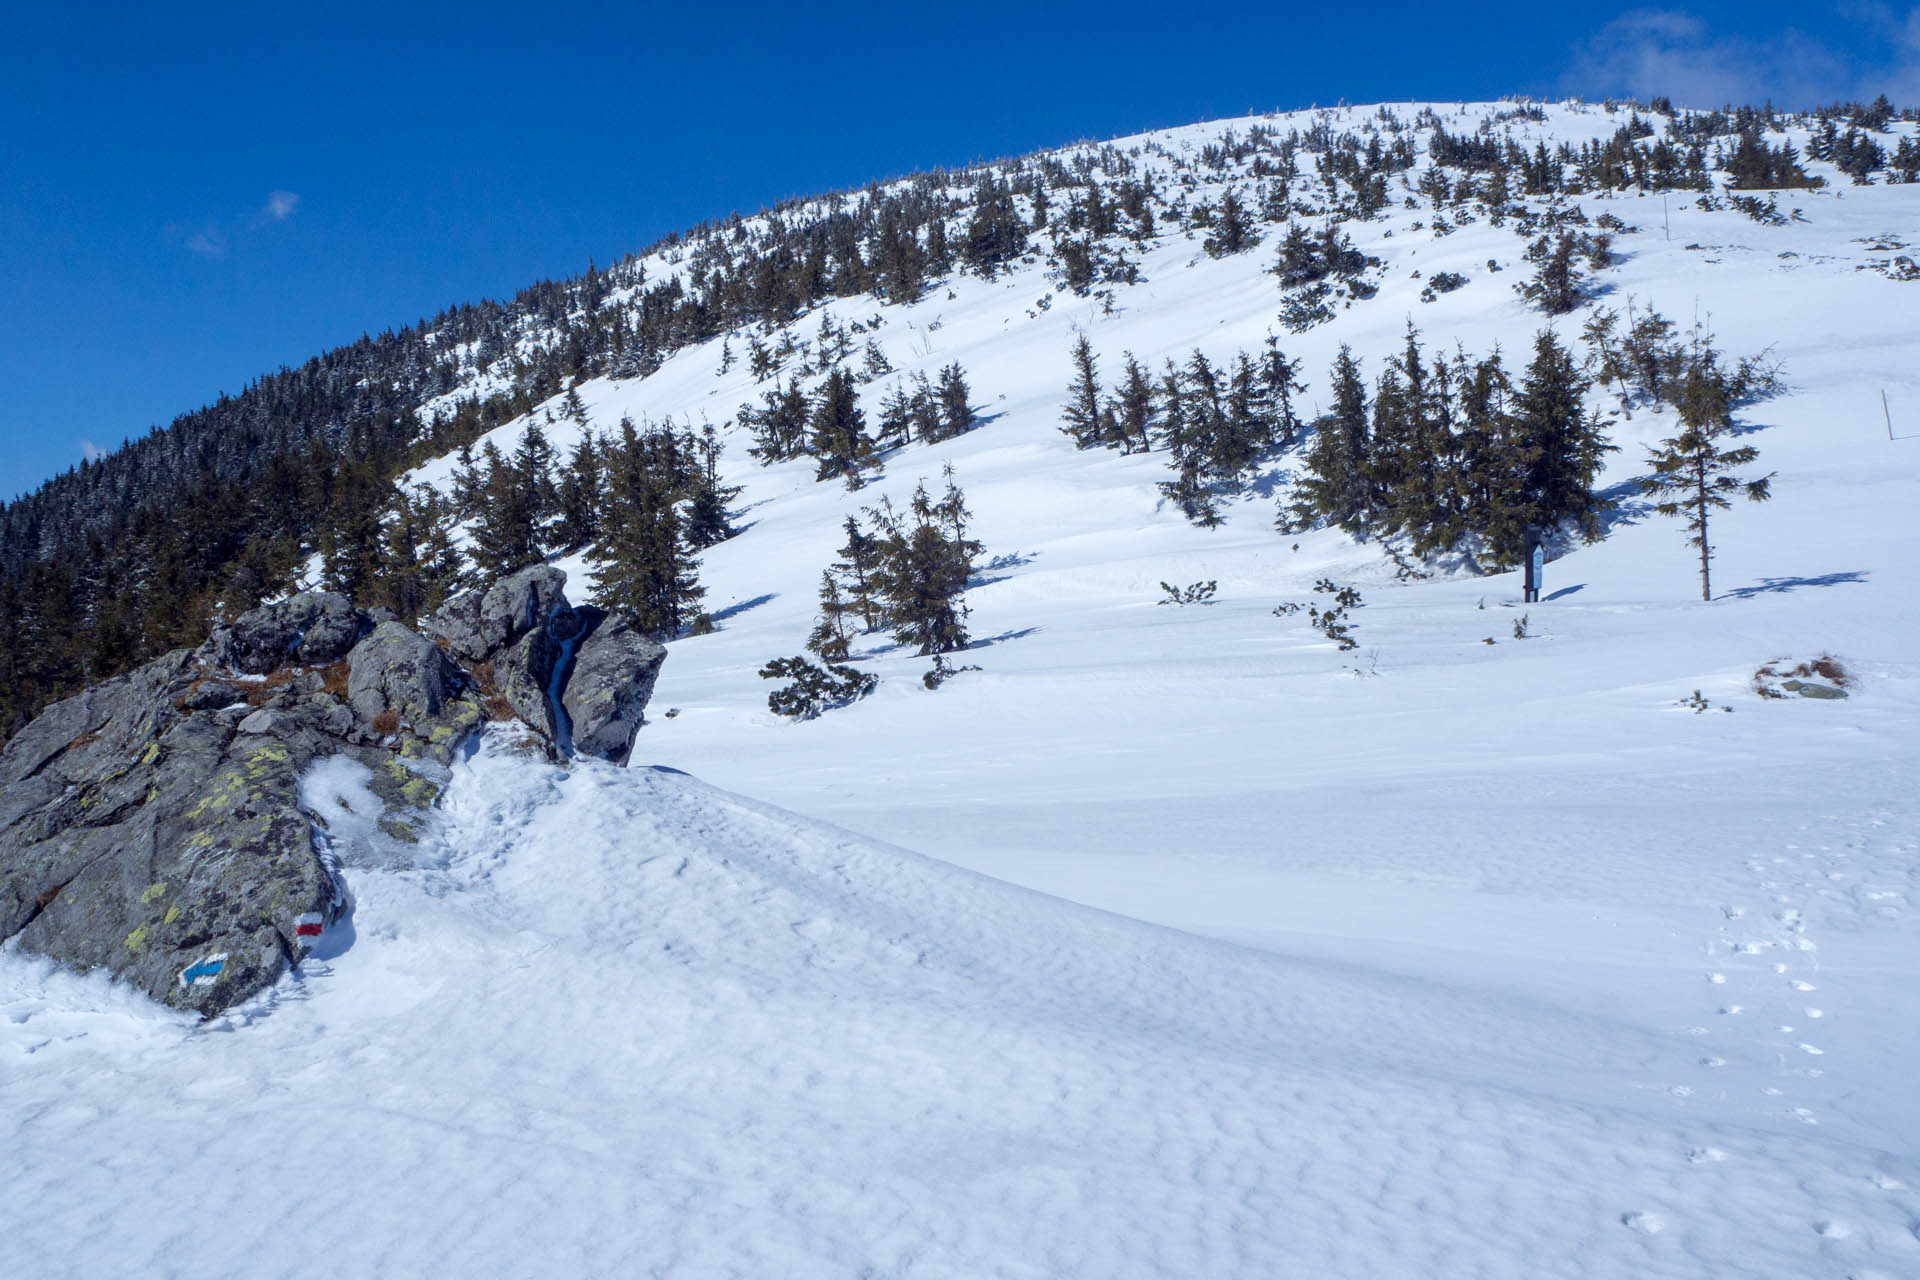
x: 129, y: 555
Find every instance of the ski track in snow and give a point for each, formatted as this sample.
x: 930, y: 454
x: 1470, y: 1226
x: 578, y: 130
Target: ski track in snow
x: 1440, y: 958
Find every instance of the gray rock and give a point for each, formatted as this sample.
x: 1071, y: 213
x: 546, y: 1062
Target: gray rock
x: 1808, y: 689
x: 315, y: 628
x: 398, y: 670
x: 148, y: 828
x: 608, y: 684
x: 153, y: 825
x: 210, y: 695
x: 524, y: 675
x: 477, y: 625
x: 158, y: 842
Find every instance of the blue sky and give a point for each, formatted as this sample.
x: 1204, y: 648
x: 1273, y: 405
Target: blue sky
x: 187, y: 201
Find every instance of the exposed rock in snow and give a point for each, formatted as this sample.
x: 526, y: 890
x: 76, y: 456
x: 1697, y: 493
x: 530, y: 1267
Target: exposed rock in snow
x: 612, y: 677
x: 399, y: 670
x: 479, y: 624
x: 311, y: 629
x: 155, y: 826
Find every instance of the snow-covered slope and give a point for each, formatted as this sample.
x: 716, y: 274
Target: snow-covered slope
x: 635, y: 1025
x: 1490, y: 958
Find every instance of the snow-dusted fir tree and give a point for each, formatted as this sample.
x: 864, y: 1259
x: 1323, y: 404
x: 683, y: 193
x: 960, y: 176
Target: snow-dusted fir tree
x: 642, y: 564
x: 1692, y: 471
x: 1080, y: 416
x: 926, y: 559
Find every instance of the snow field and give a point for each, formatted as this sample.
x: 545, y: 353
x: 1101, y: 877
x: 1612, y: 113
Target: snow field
x: 638, y: 1025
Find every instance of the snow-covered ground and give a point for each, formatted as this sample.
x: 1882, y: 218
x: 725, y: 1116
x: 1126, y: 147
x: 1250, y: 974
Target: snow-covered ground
x: 1431, y: 958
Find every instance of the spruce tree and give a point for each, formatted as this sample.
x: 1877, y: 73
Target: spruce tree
x: 579, y: 496
x: 350, y: 541
x: 1233, y: 230
x: 780, y: 425
x: 1334, y: 485
x: 642, y: 565
x: 839, y: 430
x: 1555, y: 287
x: 956, y: 413
x: 995, y: 233
x: 1279, y: 380
x: 1559, y: 445
x: 707, y: 520
x: 1692, y: 470
x: 829, y: 637
x: 1134, y: 417
x: 1080, y: 415
x: 859, y: 568
x: 927, y: 561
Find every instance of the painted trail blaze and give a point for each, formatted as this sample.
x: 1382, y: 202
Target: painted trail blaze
x: 306, y: 929
x: 203, y: 971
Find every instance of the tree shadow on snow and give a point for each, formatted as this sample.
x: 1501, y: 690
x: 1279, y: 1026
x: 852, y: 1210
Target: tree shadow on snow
x: 1625, y: 504
x: 1794, y: 584
x: 1269, y: 481
x: 739, y: 607
x: 987, y: 574
x: 1003, y: 637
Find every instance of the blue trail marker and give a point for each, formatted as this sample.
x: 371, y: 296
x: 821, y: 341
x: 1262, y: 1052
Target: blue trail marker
x: 203, y: 971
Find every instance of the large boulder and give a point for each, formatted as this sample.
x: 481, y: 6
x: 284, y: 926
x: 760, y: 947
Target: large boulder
x: 398, y: 670
x: 608, y: 684
x: 524, y: 675
x: 314, y: 629
x: 479, y: 624
x: 153, y: 825
x: 184, y: 826
x: 159, y: 843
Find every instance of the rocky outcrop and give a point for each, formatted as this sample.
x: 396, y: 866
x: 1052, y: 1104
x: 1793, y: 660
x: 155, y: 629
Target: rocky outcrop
x: 479, y: 624
x: 312, y: 629
x: 613, y: 671
x: 154, y: 825
x: 399, y: 671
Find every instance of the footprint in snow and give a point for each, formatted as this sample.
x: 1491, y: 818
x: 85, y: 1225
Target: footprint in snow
x: 1833, y: 1230
x: 1706, y: 1155
x: 1647, y: 1224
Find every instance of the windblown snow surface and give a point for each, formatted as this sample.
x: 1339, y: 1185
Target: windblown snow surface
x: 1222, y: 953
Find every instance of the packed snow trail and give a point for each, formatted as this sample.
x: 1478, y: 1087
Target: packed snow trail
x: 635, y: 1025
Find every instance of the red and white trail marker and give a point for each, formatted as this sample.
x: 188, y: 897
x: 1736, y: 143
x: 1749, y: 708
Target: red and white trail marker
x: 306, y: 929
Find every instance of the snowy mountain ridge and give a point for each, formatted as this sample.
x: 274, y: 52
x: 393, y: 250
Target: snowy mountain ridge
x: 1494, y: 946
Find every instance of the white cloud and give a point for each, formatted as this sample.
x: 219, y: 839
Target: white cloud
x: 1652, y: 52
x: 208, y: 242
x: 280, y: 205
x: 91, y: 451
